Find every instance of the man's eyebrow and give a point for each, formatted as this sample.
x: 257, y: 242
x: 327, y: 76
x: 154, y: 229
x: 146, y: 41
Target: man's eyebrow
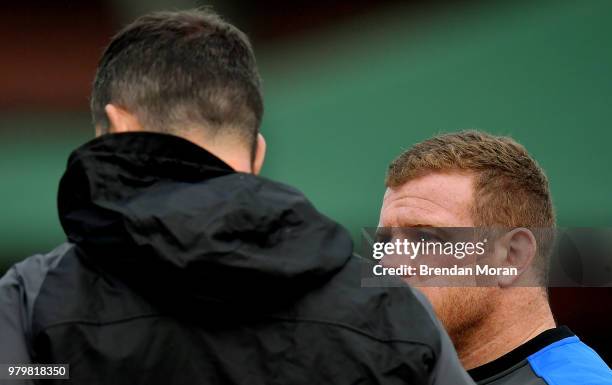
x: 408, y: 224
x: 442, y: 230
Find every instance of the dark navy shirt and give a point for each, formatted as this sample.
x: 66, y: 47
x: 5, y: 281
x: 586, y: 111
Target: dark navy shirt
x: 555, y: 357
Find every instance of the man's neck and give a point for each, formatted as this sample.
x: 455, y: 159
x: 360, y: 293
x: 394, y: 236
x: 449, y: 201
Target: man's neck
x: 519, y: 317
x: 228, y: 150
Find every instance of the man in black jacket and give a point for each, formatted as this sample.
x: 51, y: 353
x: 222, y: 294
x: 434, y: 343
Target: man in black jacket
x: 184, y: 267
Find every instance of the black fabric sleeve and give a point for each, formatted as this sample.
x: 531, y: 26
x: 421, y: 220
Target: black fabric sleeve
x: 13, y: 346
x: 19, y: 289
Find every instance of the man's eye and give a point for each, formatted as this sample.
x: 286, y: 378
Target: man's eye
x: 428, y: 237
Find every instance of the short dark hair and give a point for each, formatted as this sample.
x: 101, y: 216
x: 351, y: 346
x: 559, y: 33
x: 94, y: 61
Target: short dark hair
x: 181, y: 70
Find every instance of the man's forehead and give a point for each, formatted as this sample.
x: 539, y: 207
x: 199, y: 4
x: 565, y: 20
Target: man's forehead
x: 436, y: 199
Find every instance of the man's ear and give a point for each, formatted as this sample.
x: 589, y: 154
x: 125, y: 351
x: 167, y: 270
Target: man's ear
x: 121, y: 120
x: 260, y: 154
x: 515, y: 249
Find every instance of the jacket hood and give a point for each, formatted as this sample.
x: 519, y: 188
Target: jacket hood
x: 174, y: 221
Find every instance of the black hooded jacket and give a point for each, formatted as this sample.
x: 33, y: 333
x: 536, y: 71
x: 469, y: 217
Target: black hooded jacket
x: 178, y: 270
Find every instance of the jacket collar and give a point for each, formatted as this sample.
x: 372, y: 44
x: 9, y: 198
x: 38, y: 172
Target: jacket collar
x: 157, y: 203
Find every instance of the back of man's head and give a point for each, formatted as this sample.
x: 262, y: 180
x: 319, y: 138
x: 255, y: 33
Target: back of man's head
x: 180, y: 73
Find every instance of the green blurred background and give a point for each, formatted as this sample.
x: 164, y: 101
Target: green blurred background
x: 348, y: 85
x: 345, y: 96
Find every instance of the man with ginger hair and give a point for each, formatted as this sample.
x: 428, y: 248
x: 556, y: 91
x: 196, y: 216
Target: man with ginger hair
x: 504, y: 333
